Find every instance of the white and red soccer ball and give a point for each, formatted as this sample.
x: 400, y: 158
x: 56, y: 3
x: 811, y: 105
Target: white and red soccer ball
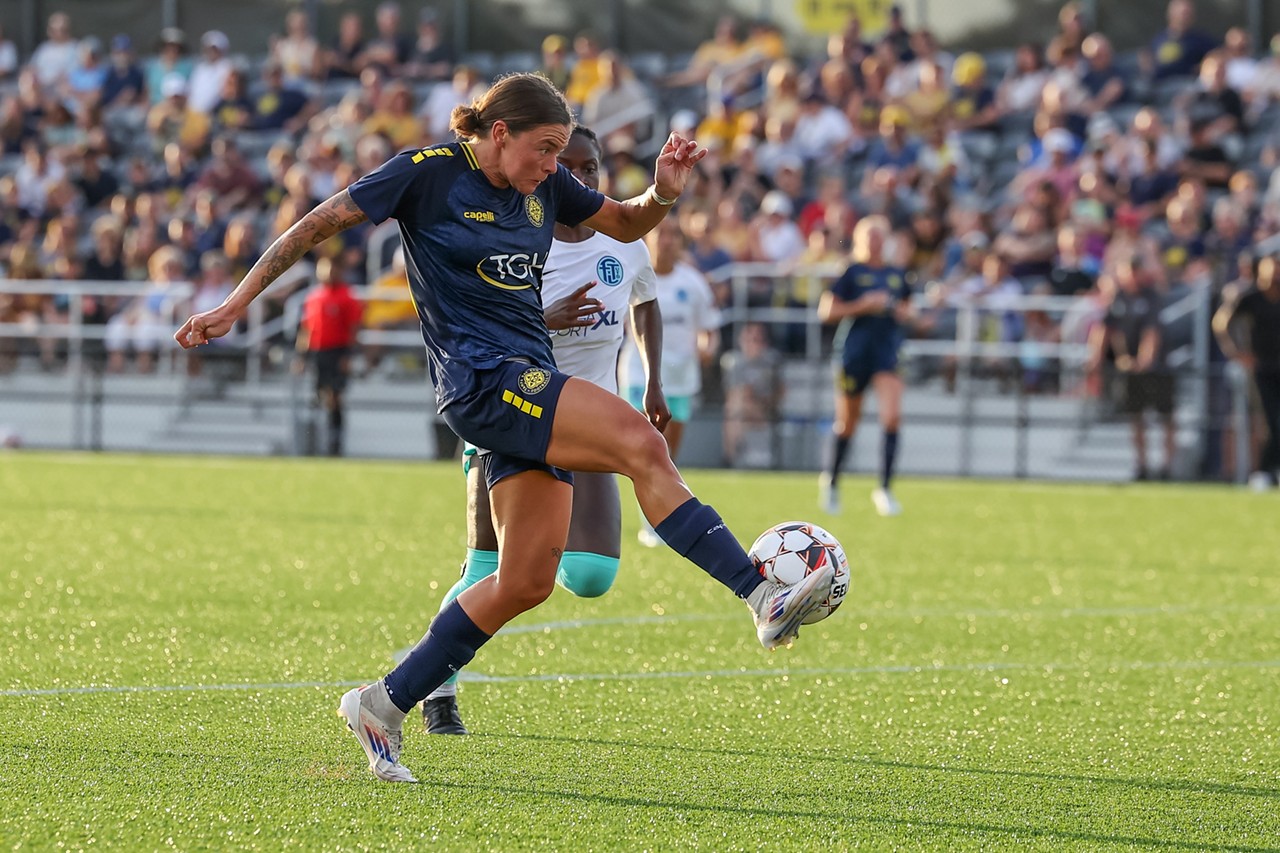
x: 786, y: 552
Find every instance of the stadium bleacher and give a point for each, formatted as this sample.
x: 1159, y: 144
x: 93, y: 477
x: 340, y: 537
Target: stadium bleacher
x: 997, y: 170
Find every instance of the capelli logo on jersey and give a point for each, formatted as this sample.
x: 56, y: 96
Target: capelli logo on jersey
x: 480, y: 215
x: 516, y: 271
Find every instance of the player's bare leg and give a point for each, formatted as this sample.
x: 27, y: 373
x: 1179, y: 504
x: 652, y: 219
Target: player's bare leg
x: 598, y: 431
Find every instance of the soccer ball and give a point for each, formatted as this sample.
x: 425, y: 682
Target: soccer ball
x: 786, y: 552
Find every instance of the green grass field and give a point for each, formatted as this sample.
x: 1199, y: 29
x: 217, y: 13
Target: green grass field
x: 1018, y: 666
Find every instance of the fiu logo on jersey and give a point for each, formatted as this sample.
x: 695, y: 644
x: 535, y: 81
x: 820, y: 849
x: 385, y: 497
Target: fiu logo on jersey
x: 533, y: 209
x: 479, y: 215
x: 534, y: 380
x: 431, y: 152
x: 609, y: 270
x: 515, y: 271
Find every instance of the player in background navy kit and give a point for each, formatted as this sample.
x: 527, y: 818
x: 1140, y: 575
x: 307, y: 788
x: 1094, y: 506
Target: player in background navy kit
x: 476, y: 220
x: 1254, y: 315
x: 590, y: 284
x: 872, y: 303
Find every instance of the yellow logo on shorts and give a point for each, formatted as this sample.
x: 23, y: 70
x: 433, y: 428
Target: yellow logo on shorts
x: 521, y: 403
x: 533, y: 208
x: 534, y: 380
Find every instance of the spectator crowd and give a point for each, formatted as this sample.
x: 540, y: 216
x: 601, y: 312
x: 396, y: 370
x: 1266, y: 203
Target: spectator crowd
x: 1063, y: 168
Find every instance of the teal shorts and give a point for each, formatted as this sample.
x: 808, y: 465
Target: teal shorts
x: 681, y: 407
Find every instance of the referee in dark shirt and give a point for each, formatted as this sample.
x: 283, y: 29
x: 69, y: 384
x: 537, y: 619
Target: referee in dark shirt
x: 1127, y: 345
x: 1248, y: 330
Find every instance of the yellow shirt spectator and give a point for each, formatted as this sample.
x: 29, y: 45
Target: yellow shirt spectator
x: 394, y: 118
x: 587, y: 73
x: 389, y: 305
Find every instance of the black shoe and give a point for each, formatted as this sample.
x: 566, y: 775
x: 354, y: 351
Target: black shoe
x: 440, y: 716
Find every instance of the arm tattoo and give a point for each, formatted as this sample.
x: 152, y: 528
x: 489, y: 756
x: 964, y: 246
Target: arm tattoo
x: 328, y: 218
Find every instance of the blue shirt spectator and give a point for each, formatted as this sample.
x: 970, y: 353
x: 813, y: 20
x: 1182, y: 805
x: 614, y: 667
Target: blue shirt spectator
x: 279, y: 104
x: 1177, y: 50
x: 89, y: 73
x: 123, y: 80
x: 893, y: 148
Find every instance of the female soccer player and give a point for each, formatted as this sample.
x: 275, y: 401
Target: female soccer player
x: 871, y: 302
x: 586, y: 334
x: 690, y: 330
x: 476, y: 220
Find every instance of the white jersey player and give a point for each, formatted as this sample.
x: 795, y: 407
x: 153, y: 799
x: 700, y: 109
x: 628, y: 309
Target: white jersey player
x: 591, y: 285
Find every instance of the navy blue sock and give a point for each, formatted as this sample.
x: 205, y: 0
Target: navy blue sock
x: 839, y: 449
x: 888, y: 453
x: 696, y: 532
x: 449, y: 645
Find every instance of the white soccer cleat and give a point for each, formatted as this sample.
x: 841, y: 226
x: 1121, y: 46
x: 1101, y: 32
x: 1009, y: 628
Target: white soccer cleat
x: 380, y: 741
x: 886, y: 504
x: 1260, y: 481
x: 828, y: 496
x: 648, y: 537
x: 785, y: 607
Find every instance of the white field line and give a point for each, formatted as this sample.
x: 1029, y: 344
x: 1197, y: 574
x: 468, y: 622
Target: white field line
x: 903, y: 669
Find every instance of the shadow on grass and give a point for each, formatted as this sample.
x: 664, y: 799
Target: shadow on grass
x: 842, y: 816
x: 1150, y: 784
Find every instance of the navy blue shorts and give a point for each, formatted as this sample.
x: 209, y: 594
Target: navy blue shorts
x: 858, y: 366
x: 508, y: 414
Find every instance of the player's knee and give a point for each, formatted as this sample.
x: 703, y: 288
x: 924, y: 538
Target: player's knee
x: 647, y: 450
x: 587, y: 575
x: 526, y: 590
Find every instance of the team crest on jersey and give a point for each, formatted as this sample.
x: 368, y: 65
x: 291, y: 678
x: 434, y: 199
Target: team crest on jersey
x: 533, y: 209
x: 534, y: 379
x: 609, y: 270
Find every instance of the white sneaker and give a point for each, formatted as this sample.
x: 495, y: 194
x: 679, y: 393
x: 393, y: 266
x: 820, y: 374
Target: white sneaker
x: 1260, y: 481
x: 886, y: 504
x: 380, y: 741
x: 782, y: 608
x: 828, y: 496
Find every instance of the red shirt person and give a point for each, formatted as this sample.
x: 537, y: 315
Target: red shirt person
x: 331, y: 314
x: 331, y: 319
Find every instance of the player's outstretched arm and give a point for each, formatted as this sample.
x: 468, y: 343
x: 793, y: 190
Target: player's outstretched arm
x: 336, y: 214
x: 630, y: 220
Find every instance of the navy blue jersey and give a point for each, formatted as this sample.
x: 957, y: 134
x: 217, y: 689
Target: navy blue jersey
x: 474, y: 255
x: 871, y: 329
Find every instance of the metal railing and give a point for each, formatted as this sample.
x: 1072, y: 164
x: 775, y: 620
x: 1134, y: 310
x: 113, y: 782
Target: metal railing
x: 755, y: 293
x: 764, y: 293
x: 76, y: 331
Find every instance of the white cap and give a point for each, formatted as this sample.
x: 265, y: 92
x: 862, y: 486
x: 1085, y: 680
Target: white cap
x: 776, y: 201
x: 216, y: 39
x: 684, y: 120
x: 1058, y: 140
x: 173, y: 84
